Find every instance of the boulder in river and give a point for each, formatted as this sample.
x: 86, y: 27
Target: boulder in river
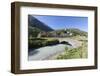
x: 65, y: 42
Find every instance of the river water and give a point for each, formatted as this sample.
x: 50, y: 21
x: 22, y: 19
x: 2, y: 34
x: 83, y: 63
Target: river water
x: 44, y: 53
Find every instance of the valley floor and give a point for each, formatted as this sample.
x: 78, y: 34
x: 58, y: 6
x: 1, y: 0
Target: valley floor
x: 78, y: 49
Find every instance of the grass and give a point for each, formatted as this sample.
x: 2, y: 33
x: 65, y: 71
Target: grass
x: 41, y: 42
x: 75, y: 53
x: 79, y: 38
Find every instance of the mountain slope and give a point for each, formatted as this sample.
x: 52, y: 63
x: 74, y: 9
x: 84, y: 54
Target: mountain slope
x: 33, y: 22
x: 69, y: 32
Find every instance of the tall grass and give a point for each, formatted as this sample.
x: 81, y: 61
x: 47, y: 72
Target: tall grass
x: 80, y: 52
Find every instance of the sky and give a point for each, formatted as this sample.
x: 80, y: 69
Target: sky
x: 62, y: 22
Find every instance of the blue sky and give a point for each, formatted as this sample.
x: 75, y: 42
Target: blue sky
x: 62, y: 22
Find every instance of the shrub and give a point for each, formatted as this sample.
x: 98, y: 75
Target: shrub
x: 34, y: 44
x: 37, y: 42
x: 52, y: 42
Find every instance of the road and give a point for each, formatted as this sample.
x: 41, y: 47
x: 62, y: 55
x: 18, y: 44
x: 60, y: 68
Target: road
x: 45, y: 53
